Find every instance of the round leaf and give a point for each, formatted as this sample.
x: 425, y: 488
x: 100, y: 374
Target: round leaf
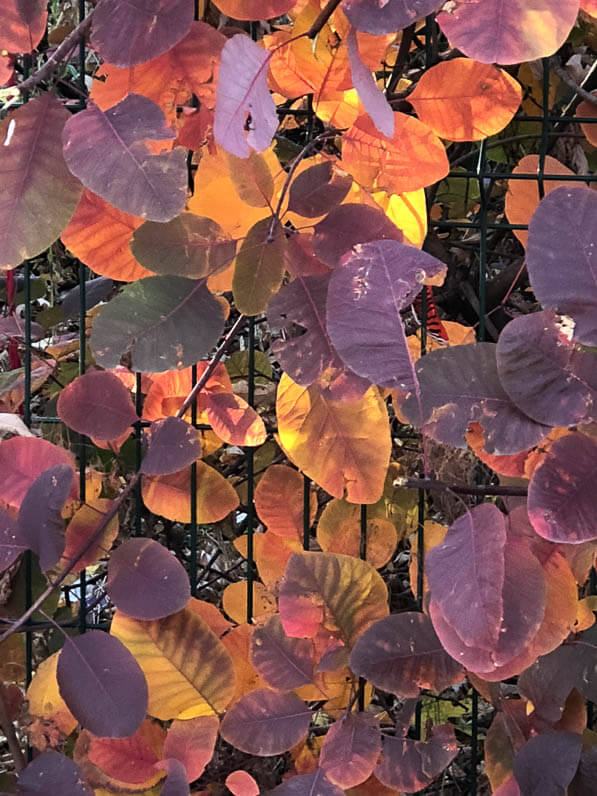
x: 97, y: 404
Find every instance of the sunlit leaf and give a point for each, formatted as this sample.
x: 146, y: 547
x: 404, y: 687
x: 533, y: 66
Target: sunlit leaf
x: 189, y: 672
x: 367, y: 15
x: 410, y: 765
x: 192, y: 742
x: 23, y: 25
x: 44, y: 699
x: 259, y: 267
x: 234, y: 601
x: 237, y: 642
x: 270, y: 553
x: 351, y: 749
x: 408, y: 212
x: 284, y: 663
x: 234, y: 421
x: 279, y: 500
x: 339, y: 531
x: 82, y: 527
x: 97, y: 404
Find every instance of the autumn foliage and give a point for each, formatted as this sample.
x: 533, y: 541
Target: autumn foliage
x: 260, y: 373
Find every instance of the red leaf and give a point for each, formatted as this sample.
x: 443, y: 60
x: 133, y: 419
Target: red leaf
x: 351, y: 749
x: 97, y: 404
x: 192, y: 742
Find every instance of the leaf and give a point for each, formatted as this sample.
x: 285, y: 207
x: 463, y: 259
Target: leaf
x: 374, y: 101
x: 318, y: 189
x: 343, y: 593
x: 413, y: 158
x: 351, y: 749
x: 234, y: 600
x: 192, y: 742
x: 402, y: 654
x: 102, y: 684
x: 188, y: 670
x: 161, y: 322
x: 252, y: 178
x: 131, y: 760
x: 145, y: 581
x: 38, y: 194
x: 461, y: 385
x: 586, y: 108
x: 40, y: 523
x: 464, y: 100
x: 254, y: 9
x: 240, y: 783
x: 176, y: 782
x: 43, y: 697
x: 412, y: 765
x: 562, y: 258
x: 174, y: 445
x: 324, y: 438
x: 187, y: 246
x: 127, y: 34
x: 520, y: 31
x: 11, y: 543
x: 339, y: 531
x: 97, y: 404
x: 107, y: 151
x: 82, y: 527
x: 279, y: 501
x: 561, y: 500
x: 271, y: 554
x: 170, y: 497
x: 366, y: 294
x: 99, y: 235
x: 547, y: 763
x: 369, y: 16
x: 22, y: 460
x: 234, y: 421
x: 51, y: 772
x: 314, y: 783
x: 284, y: 663
x: 259, y: 268
x: 546, y: 376
x: 241, y: 94
x: 266, y: 723
x: 23, y: 25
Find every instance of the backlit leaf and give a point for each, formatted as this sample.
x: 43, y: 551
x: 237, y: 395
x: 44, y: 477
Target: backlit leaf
x: 38, y: 194
x: 173, y: 445
x: 351, y: 749
x: 548, y: 762
x: 23, y: 25
x: 412, y: 765
x: 97, y: 404
x: 161, y: 322
x: 80, y: 530
x: 192, y: 742
x: 22, y: 460
x: 130, y: 760
x: 339, y: 531
x: 271, y: 554
x: 127, y: 34
x: 240, y: 783
x: 315, y: 191
x: 284, y: 663
x: 234, y: 421
x: 189, y: 672
x: 521, y: 30
x: 464, y: 100
x: 402, y: 654
x: 259, y: 268
x: 266, y: 723
x: 107, y: 151
x: 51, y: 772
x: 374, y: 101
x: 342, y: 593
x: 279, y: 501
x: 234, y: 601
x: 394, y: 15
x: 342, y: 445
x: 243, y: 93
x: 102, y: 684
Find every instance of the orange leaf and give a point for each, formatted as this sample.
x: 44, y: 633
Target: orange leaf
x: 433, y: 535
x: 237, y: 642
x: 80, y: 530
x: 234, y: 421
x: 279, y: 500
x: 339, y: 531
x: 130, y: 761
x: 44, y: 697
x: 234, y: 601
x: 270, y: 553
x: 211, y: 615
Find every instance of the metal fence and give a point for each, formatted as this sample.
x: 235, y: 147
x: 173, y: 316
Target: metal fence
x: 478, y: 173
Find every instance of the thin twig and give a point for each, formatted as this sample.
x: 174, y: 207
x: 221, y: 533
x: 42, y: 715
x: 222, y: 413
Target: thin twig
x: 566, y: 78
x: 323, y: 17
x: 401, y: 59
x: 463, y: 489
x: 8, y: 728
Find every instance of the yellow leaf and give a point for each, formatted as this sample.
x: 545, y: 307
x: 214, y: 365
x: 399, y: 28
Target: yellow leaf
x: 44, y: 697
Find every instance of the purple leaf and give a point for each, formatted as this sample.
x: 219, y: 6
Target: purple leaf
x: 265, y: 722
x: 97, y: 404
x: 547, y: 377
x: 146, y: 581
x: 107, y: 151
x: 370, y: 95
x: 40, y: 522
x: 102, y: 684
x: 461, y: 385
x: 348, y: 225
x: 176, y: 783
x: 174, y: 445
x: 547, y: 763
x: 38, y: 194
x: 244, y: 92
x: 351, y: 749
x: 12, y: 326
x: 402, y: 654
x: 562, y: 257
x: 410, y: 766
x: 314, y: 784
x: 318, y: 189
x: 126, y: 34
x: 371, y: 16
x: 283, y: 662
x: 374, y: 282
x: 583, y: 783
x: 562, y: 498
x: 53, y: 773
x: 11, y: 543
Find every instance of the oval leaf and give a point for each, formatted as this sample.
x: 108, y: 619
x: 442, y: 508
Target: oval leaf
x: 412, y: 765
x: 51, y: 772
x: 351, y: 749
x: 97, y: 404
x: 174, y: 445
x: 284, y: 663
x: 318, y: 189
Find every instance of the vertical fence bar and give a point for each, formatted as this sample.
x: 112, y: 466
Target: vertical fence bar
x: 193, y: 496
x: 306, y: 512
x: 250, y: 475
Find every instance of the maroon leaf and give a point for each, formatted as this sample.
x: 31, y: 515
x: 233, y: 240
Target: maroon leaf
x: 374, y: 101
x: 317, y: 189
x: 373, y: 17
x: 412, y: 765
x: 38, y: 194
x: 314, y: 784
x: 107, y: 151
x: 11, y: 543
x: 266, y: 723
x: 562, y: 499
x: 97, y: 404
x: 284, y: 663
x: 583, y: 783
x: 127, y: 34
x: 188, y: 246
x: 22, y: 459
x: 547, y: 763
x: 174, y: 445
x: 145, y: 581
x: 13, y: 326
x: 102, y: 684
x: 547, y: 377
x: 562, y: 257
x: 40, y: 522
x: 461, y: 385
x: 23, y: 25
x: 176, y: 783
x: 243, y: 93
x: 351, y: 749
x: 348, y: 225
x: 192, y: 741
x: 365, y: 296
x: 53, y: 773
x: 402, y: 654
